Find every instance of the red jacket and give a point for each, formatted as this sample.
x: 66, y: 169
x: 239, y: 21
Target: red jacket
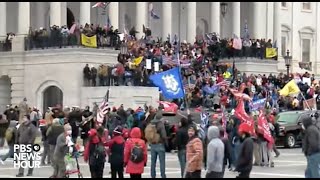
x: 131, y: 167
x: 93, y: 139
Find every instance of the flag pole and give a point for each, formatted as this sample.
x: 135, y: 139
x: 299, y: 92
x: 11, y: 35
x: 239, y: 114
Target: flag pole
x: 304, y: 99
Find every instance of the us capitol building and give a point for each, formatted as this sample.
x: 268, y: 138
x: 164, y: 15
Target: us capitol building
x: 35, y: 74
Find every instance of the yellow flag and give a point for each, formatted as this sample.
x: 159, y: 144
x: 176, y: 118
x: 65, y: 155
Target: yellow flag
x: 89, y: 41
x: 137, y: 61
x: 271, y: 52
x: 290, y: 88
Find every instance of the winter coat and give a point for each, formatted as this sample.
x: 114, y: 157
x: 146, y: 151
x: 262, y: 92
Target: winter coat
x: 215, y: 150
x: 61, y: 148
x: 245, y: 158
x: 94, y: 139
x: 182, y: 137
x: 53, y: 132
x: 3, y: 127
x: 27, y: 133
x: 194, y: 154
x: 131, y: 167
x: 311, y: 138
x: 116, y: 146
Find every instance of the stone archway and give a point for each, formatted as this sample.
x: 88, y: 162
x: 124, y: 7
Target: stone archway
x: 52, y: 96
x: 70, y: 18
x: 49, y: 93
x: 5, y: 92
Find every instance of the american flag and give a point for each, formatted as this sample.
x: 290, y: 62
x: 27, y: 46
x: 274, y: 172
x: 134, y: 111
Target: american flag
x: 101, y: 5
x: 103, y: 109
x: 224, y: 83
x: 152, y: 13
x: 169, y: 61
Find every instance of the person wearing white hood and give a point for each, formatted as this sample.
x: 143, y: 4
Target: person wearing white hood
x: 215, y: 153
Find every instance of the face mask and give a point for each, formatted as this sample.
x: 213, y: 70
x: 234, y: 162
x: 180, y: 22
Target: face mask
x: 69, y: 132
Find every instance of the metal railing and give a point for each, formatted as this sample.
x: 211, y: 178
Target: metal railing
x: 71, y: 40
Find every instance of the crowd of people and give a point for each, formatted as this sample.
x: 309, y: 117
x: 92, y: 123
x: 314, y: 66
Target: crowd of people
x: 128, y: 132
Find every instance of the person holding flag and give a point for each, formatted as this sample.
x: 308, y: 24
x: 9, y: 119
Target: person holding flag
x: 170, y: 83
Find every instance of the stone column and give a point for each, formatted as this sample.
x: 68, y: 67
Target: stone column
x: 141, y: 18
x: 192, y: 22
x: 258, y: 20
x: 41, y: 15
x: 55, y: 14
x: 166, y: 19
x: 63, y: 13
x: 85, y: 12
x: 23, y: 18
x: 236, y: 18
x: 114, y: 14
x: 215, y: 17
x: 3, y: 20
x: 277, y: 26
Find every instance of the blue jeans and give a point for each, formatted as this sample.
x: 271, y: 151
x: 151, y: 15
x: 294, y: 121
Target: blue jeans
x: 182, y: 160
x: 313, y: 166
x: 9, y: 154
x: 235, y: 153
x: 158, y: 149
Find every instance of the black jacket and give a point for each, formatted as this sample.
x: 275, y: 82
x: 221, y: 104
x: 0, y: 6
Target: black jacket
x: 311, y: 140
x: 227, y: 151
x: 245, y: 159
x: 182, y: 138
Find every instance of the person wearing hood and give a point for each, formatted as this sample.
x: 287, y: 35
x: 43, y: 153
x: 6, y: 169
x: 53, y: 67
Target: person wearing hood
x: 311, y: 147
x: 135, y: 169
x: 95, y: 153
x: 26, y: 135
x: 52, y: 133
x: 215, y: 154
x: 194, y: 154
x: 156, y: 135
x: 181, y: 142
x: 63, y: 146
x: 116, y: 146
x: 245, y: 158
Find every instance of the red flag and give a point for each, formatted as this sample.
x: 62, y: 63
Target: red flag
x: 241, y: 114
x: 264, y: 128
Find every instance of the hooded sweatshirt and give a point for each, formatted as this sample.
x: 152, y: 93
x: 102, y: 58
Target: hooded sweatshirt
x: 311, y: 139
x: 215, y: 150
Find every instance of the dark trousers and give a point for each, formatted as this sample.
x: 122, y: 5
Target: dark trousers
x: 96, y: 170
x: 244, y: 175
x: 195, y: 174
x: 214, y: 174
x: 116, y: 169
x: 46, y: 153
x: 30, y: 170
x: 135, y: 175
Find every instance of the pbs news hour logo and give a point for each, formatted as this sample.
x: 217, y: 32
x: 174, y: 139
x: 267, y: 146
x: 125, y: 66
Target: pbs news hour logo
x: 26, y: 156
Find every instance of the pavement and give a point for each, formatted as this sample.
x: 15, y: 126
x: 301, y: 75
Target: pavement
x: 290, y: 164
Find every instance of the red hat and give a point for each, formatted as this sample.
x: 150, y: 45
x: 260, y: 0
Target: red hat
x: 244, y: 127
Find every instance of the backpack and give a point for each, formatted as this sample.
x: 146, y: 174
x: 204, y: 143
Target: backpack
x: 9, y: 134
x: 136, y: 155
x: 99, y: 151
x: 151, y: 134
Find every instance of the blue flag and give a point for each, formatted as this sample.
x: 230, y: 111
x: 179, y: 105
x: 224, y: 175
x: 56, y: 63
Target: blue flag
x: 170, y: 83
x: 203, y: 125
x: 211, y: 90
x: 256, y: 105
